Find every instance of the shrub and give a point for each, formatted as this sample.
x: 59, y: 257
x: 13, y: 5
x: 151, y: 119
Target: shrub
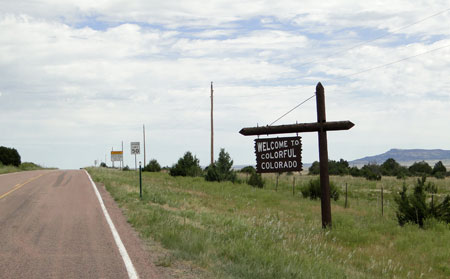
x: 256, y: 180
x: 313, y: 191
x: 442, y: 211
x: 152, y: 166
x: 414, y: 208
x: 390, y: 167
x: 420, y: 169
x: 340, y: 167
x: 314, y: 169
x: 103, y: 165
x: 402, y: 172
x: 29, y: 166
x: 126, y: 168
x: 371, y: 172
x: 248, y: 169
x: 354, y: 171
x: 221, y: 170
x: 439, y: 170
x: 188, y: 165
x: 9, y: 156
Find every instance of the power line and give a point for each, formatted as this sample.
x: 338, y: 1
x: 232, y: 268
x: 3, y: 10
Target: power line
x: 394, y: 62
x: 293, y: 109
x: 377, y: 38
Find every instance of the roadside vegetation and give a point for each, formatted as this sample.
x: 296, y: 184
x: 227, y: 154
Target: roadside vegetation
x: 234, y: 230
x: 390, y: 167
x: 10, y: 161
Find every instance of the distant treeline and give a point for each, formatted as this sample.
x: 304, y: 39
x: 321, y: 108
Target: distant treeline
x: 9, y: 156
x: 390, y: 167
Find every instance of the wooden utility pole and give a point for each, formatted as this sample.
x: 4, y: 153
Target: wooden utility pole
x: 321, y: 126
x: 212, y: 125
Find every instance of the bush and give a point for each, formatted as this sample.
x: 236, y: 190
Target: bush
x: 413, y: 208
x: 340, y: 167
x: 188, y: 165
x: 152, y: 166
x: 126, y: 168
x: 29, y: 166
x: 314, y: 169
x: 221, y: 170
x: 313, y: 191
x: 442, y: 211
x: 256, y: 180
x: 439, y: 170
x: 420, y: 169
x: 9, y: 156
x: 371, y: 172
x: 103, y: 165
x: 354, y: 171
x: 248, y: 169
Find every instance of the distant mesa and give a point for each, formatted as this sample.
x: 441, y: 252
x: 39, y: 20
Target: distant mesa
x: 407, y: 157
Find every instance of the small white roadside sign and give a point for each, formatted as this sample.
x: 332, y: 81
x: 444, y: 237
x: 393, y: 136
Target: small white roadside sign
x: 135, y: 148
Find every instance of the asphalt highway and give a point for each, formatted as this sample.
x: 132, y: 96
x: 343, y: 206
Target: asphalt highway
x: 52, y: 225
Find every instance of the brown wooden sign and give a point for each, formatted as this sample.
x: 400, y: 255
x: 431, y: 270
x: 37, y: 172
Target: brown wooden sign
x: 278, y: 154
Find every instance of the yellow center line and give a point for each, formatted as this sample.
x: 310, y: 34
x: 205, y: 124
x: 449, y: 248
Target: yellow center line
x: 18, y: 186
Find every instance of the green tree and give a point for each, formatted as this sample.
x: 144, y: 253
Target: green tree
x: 9, y: 156
x: 390, y: 167
x: 420, y: 169
x: 354, y: 171
x: 314, y: 169
x: 188, y: 165
x: 340, y: 167
x: 439, y: 170
x: 221, y: 170
x: 152, y: 166
x: 371, y: 172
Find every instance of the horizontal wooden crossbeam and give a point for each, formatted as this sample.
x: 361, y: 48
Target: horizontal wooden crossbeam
x: 297, y: 128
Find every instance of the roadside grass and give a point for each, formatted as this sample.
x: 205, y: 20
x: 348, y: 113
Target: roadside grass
x: 237, y: 231
x: 25, y: 166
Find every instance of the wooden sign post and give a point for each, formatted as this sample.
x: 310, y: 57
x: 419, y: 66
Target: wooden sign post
x: 321, y: 126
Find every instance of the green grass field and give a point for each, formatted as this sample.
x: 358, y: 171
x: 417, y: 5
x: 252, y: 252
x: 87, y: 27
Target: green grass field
x: 237, y: 231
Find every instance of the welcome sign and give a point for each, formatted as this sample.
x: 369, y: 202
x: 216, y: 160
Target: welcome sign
x: 278, y: 154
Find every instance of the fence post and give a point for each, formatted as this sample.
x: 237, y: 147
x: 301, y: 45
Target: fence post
x: 293, y: 187
x: 276, y: 187
x: 345, y: 195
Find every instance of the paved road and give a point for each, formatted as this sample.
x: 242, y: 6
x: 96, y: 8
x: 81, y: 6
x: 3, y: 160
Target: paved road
x: 52, y: 226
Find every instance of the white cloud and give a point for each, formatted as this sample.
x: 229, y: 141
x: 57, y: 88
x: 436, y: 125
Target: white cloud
x: 86, y: 75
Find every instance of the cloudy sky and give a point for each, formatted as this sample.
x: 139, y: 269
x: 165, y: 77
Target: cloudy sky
x: 79, y: 77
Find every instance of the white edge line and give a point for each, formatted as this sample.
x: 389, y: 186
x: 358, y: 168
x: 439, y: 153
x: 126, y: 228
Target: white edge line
x: 132, y: 274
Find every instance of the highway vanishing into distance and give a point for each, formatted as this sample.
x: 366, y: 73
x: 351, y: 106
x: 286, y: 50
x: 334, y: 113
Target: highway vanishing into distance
x: 54, y: 224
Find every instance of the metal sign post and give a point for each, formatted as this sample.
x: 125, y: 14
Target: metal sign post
x: 321, y: 126
x: 140, y: 180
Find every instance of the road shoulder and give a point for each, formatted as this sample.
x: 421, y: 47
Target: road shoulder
x: 150, y: 259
